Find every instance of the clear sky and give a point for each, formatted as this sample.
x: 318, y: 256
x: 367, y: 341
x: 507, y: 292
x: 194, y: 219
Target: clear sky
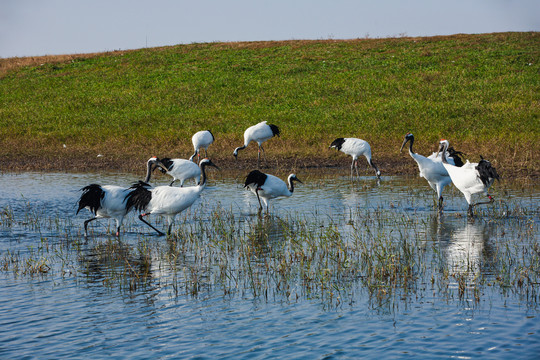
x: 46, y: 27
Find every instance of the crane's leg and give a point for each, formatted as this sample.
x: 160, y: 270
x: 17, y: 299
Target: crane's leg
x: 468, y: 197
x: 172, y: 182
x: 258, y: 198
x: 438, y: 188
x: 356, y: 168
x: 485, y: 202
x: 170, y: 219
x: 352, y: 169
x: 86, y: 225
x: 147, y: 223
x: 118, y: 224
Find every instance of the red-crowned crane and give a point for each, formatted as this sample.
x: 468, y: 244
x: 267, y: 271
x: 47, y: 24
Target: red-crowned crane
x: 471, y: 178
x: 355, y: 148
x: 201, y: 140
x: 431, y: 167
x: 109, y: 201
x: 180, y: 169
x: 267, y: 186
x: 165, y: 200
x: 258, y: 133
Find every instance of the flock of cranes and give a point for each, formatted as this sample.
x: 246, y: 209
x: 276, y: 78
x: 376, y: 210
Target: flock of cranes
x: 111, y: 201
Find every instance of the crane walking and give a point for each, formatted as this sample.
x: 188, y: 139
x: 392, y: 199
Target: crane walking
x: 267, y: 186
x: 258, y: 133
x: 355, y: 148
x: 471, y: 178
x: 166, y: 201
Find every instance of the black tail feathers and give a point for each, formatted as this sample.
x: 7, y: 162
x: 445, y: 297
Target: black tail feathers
x: 91, y: 197
x: 486, y: 172
x: 139, y: 196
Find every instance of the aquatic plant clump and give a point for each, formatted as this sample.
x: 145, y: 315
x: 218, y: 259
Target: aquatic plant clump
x: 387, y: 254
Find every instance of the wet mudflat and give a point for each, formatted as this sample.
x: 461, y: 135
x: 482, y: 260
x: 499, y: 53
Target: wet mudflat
x: 341, y: 269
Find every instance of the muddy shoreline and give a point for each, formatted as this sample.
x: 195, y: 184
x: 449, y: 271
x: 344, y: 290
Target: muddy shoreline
x: 136, y: 164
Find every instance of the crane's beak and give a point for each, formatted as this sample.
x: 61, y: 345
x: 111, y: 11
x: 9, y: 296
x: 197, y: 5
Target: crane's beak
x: 441, y: 147
x: 159, y: 164
x: 402, y: 145
x: 210, y: 163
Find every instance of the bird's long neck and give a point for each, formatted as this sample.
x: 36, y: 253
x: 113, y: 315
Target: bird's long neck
x: 148, y: 172
x: 202, y: 183
x: 192, y: 156
x: 240, y: 148
x: 443, y: 154
x: 411, y: 151
x: 291, y: 185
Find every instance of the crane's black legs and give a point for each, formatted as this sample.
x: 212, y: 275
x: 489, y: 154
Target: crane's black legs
x: 95, y: 218
x: 86, y: 225
x: 147, y: 223
x: 470, y: 212
x: 259, y: 156
x: 258, y: 198
x: 441, y: 204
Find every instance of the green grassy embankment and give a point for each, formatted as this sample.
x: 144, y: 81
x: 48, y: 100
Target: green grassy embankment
x: 482, y: 92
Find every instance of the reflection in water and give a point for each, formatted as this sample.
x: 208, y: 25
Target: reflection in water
x: 464, y: 248
x: 115, y: 263
x: 266, y: 232
x: 268, y: 280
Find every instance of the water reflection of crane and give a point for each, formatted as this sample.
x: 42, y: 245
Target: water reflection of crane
x: 265, y: 233
x: 466, y: 248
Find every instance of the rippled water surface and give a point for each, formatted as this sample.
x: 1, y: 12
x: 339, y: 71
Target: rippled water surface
x: 294, y: 284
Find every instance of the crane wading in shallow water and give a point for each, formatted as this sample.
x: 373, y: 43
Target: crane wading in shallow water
x: 258, y: 133
x: 267, y: 186
x: 179, y: 169
x: 471, y: 178
x: 201, y: 140
x: 109, y: 201
x: 431, y: 167
x: 165, y: 200
x: 355, y: 148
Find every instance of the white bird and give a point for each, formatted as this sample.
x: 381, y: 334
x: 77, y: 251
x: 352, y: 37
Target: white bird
x: 355, y: 148
x: 201, y: 140
x: 471, y: 178
x: 431, y: 167
x: 258, y: 133
x: 108, y: 201
x: 165, y: 200
x: 180, y: 169
x: 268, y: 186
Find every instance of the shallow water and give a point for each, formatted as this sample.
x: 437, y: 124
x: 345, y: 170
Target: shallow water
x: 89, y: 299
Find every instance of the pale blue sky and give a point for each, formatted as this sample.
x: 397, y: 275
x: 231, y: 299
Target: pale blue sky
x: 45, y: 27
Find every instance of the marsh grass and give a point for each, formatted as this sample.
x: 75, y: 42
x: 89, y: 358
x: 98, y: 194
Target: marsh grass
x: 390, y: 255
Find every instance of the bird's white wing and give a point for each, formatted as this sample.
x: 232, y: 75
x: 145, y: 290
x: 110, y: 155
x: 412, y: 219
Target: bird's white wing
x: 172, y: 200
x: 273, y: 187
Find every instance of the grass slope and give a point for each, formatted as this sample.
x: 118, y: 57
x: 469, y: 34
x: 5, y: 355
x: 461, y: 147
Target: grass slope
x: 479, y: 91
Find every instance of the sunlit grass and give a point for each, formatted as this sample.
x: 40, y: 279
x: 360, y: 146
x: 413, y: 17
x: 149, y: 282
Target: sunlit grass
x: 479, y: 91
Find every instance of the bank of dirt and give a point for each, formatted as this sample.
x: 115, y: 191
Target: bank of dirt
x: 338, y: 163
